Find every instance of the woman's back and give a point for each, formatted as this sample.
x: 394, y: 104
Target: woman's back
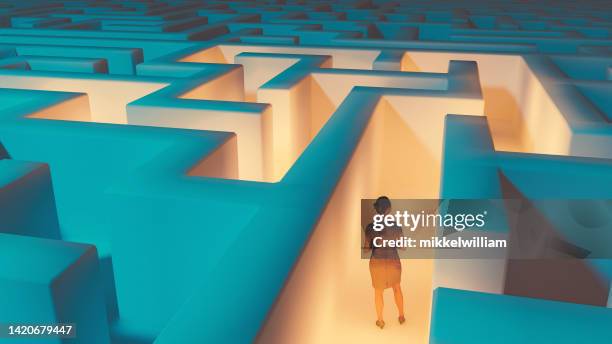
x: 387, y: 233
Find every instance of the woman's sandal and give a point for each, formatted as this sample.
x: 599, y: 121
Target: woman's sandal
x: 401, y: 319
x: 380, y: 324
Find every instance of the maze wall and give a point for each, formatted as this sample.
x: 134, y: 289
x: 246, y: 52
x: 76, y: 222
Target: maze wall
x: 182, y: 171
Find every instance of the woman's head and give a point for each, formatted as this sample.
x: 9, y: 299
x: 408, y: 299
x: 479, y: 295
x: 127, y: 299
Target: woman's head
x: 382, y: 205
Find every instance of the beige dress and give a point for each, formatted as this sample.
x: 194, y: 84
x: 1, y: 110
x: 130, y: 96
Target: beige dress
x: 385, y: 265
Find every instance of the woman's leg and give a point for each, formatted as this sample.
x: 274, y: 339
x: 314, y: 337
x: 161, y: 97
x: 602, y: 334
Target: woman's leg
x: 378, y: 300
x: 399, y: 299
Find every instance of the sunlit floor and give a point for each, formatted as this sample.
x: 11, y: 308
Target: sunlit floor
x: 329, y: 299
x: 357, y: 312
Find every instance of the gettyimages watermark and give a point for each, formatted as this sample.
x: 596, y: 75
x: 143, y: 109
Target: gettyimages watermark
x: 487, y: 228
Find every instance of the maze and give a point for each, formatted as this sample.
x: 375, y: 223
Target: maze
x: 182, y: 171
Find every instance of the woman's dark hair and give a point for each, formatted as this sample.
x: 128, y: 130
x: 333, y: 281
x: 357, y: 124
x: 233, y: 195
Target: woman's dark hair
x: 381, y: 204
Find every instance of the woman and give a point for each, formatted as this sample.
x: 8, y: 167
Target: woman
x: 385, y: 265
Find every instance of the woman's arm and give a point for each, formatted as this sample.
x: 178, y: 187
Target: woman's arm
x: 399, y: 233
x: 367, y: 238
